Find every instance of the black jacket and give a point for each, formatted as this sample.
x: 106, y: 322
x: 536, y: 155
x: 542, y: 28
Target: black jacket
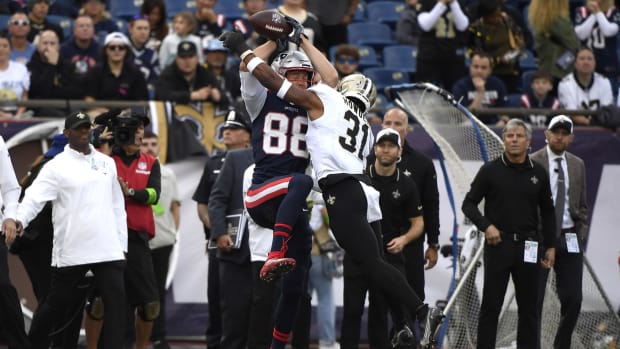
x: 49, y: 81
x: 172, y: 86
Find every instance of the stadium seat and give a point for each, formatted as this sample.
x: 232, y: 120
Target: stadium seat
x: 68, y: 8
x: 527, y: 61
x: 526, y: 80
x: 361, y: 14
x: 368, y: 56
x: 231, y: 9
x: 400, y: 57
x: 66, y: 23
x: 175, y: 6
x: 383, y: 77
x: 4, y: 21
x: 387, y: 12
x: 513, y: 100
x: 125, y: 9
x: 382, y: 104
x: 377, y: 35
x: 121, y: 23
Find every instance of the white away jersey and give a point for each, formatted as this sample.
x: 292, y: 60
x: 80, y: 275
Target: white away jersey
x: 340, y: 139
x: 573, y: 95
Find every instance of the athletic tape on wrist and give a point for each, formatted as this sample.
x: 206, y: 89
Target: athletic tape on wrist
x: 286, y: 85
x: 245, y: 54
x: 253, y: 63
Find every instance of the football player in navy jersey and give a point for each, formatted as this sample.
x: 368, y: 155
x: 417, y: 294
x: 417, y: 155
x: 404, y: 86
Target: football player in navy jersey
x: 277, y: 197
x: 339, y: 139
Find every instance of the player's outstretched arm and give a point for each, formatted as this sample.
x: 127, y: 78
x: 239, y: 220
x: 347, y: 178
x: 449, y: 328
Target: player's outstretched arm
x: 321, y: 63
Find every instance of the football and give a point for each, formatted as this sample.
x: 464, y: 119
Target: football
x: 271, y: 24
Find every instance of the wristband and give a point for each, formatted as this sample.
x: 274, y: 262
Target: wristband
x: 245, y: 54
x: 253, y: 63
x: 286, y: 85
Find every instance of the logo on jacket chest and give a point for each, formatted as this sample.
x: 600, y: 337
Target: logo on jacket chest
x: 142, y: 168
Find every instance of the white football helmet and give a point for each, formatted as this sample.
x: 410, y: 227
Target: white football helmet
x: 292, y: 61
x: 358, y: 86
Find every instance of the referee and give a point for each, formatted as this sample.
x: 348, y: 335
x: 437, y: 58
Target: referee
x: 515, y: 190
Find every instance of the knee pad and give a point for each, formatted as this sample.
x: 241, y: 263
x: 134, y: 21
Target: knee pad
x: 94, y: 308
x: 148, y: 311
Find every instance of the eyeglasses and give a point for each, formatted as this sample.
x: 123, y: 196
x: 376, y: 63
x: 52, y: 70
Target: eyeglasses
x: 346, y: 60
x: 22, y: 22
x: 117, y: 47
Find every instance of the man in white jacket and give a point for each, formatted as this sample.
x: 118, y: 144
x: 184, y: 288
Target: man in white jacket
x: 90, y: 231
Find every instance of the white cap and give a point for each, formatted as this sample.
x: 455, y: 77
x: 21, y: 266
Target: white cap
x: 116, y: 37
x: 561, y: 121
x: 388, y: 134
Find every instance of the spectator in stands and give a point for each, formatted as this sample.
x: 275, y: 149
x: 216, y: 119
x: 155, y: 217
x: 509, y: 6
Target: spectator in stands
x: 480, y: 89
x: 407, y: 28
x: 346, y: 60
x: 51, y: 76
x: 555, y: 36
x: 496, y: 33
x: 209, y: 24
x: 312, y: 27
x: 155, y: 11
x: 14, y: 81
x: 596, y: 25
x: 21, y: 49
x: 333, y: 16
x: 116, y: 77
x: 228, y: 81
x: 253, y: 39
x: 183, y: 26
x: 102, y: 21
x: 145, y: 58
x: 186, y: 80
x: 82, y: 51
x: 584, y: 88
x: 439, y: 58
x: 540, y: 96
x: 37, y: 14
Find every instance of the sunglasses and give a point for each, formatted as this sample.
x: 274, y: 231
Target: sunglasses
x: 22, y: 22
x: 117, y: 47
x: 346, y: 60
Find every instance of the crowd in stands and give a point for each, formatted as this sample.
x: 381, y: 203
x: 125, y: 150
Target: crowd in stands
x: 95, y: 49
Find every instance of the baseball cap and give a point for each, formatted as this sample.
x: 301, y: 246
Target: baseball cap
x: 76, y: 119
x: 186, y: 49
x: 116, y: 37
x: 215, y: 45
x: 388, y: 134
x: 235, y: 119
x: 562, y: 121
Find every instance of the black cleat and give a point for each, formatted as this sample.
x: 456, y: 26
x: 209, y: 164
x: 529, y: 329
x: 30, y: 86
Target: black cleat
x: 403, y: 338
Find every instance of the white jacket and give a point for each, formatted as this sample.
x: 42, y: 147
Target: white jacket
x: 9, y: 187
x: 88, y: 214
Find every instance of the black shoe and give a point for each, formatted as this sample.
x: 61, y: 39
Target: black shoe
x: 161, y: 344
x: 403, y: 337
x: 433, y: 320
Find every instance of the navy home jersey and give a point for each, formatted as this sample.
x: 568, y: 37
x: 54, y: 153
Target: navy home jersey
x: 278, y: 132
x: 603, y: 47
x: 341, y: 139
x: 529, y: 100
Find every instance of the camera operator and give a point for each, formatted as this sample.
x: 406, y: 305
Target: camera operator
x: 140, y: 179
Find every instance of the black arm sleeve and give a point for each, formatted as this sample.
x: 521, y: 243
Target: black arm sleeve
x: 220, y: 197
x: 166, y: 90
x: 472, y: 199
x: 547, y: 213
x: 429, y: 196
x: 154, y: 182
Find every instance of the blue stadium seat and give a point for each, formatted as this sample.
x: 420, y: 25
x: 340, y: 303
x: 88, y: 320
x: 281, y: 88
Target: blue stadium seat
x: 368, y: 56
x: 400, y: 57
x: 372, y: 34
x: 121, y: 23
x: 4, y: 21
x: 527, y: 61
x: 526, y: 80
x: 382, y: 104
x: 68, y: 8
x: 231, y: 9
x: 383, y: 77
x: 175, y: 6
x: 361, y: 14
x: 125, y: 9
x: 387, y: 12
x: 66, y: 23
x: 513, y: 100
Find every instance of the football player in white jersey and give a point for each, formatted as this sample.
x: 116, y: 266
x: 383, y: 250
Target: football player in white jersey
x: 338, y: 140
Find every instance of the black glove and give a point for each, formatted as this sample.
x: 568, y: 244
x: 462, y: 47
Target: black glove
x: 298, y: 30
x: 235, y: 42
x: 281, y: 44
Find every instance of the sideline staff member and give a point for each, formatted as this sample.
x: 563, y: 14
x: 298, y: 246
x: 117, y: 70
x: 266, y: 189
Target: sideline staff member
x: 514, y: 188
x: 571, y: 220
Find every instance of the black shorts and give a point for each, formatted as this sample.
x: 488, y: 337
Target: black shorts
x: 140, y: 284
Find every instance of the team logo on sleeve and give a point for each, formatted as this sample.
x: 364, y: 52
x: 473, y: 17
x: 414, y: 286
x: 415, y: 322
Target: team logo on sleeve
x: 331, y: 200
x: 396, y: 194
x: 534, y: 179
x: 407, y: 173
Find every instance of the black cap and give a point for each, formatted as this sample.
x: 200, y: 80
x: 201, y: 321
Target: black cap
x: 186, y: 49
x: 76, y: 119
x: 388, y: 134
x: 237, y: 120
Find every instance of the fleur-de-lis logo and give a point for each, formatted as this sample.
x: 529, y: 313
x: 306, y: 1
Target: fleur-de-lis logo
x: 534, y: 179
x: 331, y: 200
x: 407, y: 173
x: 396, y: 194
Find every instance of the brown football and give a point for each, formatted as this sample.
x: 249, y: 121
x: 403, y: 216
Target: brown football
x: 271, y: 24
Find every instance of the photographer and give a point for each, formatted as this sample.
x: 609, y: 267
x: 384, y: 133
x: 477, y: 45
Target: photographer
x: 140, y: 179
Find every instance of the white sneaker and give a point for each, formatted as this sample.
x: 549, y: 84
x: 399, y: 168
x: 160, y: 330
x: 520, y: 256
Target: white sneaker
x: 324, y: 345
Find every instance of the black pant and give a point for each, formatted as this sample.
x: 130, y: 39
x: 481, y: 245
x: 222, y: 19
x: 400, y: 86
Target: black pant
x: 11, y: 317
x: 214, y: 327
x: 161, y: 261
x: 65, y: 281
x: 235, y: 300
x: 500, y: 262
x: 568, y: 269
x: 441, y: 73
